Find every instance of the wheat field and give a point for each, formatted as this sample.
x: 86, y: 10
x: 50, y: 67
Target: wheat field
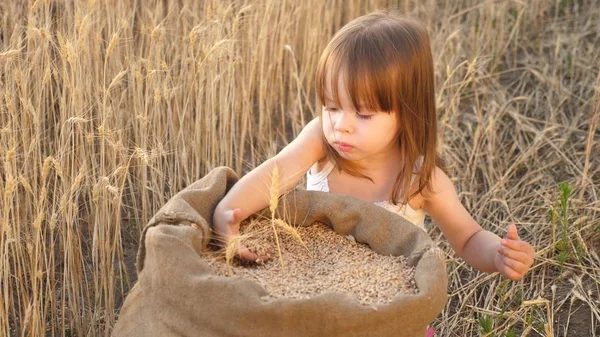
x: 108, y: 108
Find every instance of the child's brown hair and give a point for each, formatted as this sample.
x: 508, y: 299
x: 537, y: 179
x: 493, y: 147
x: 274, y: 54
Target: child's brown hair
x: 387, y: 66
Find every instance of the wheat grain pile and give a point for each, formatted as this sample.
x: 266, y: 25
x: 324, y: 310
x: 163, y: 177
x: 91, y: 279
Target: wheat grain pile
x: 322, y: 261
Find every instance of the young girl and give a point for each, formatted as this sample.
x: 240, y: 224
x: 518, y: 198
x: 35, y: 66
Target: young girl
x: 375, y: 140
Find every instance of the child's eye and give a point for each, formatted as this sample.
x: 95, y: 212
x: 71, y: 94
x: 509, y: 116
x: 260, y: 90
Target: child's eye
x: 331, y: 109
x: 361, y: 116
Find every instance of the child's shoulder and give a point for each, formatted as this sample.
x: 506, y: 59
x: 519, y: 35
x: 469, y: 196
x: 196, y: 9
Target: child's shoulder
x: 313, y: 133
x: 440, y: 187
x: 307, y: 148
x: 440, y: 184
x: 310, y: 134
x: 313, y: 127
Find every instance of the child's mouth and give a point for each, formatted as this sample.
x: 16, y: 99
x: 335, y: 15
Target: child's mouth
x: 344, y: 147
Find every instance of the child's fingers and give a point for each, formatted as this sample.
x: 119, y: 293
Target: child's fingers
x: 512, y: 233
x: 514, y: 254
x: 525, y: 254
x: 519, y: 245
x: 509, y: 272
x: 246, y: 254
x: 237, y: 215
x: 234, y: 215
x: 515, y: 265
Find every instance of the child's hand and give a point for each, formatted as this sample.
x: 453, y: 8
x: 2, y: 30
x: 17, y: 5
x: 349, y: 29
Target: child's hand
x: 514, y: 257
x: 227, y: 225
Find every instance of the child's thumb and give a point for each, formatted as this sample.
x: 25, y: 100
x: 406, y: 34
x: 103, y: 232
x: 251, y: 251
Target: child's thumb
x: 512, y: 233
x: 236, y: 215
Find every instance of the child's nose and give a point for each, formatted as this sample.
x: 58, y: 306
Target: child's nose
x: 344, y: 123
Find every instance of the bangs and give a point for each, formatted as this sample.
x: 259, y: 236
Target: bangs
x: 368, y: 82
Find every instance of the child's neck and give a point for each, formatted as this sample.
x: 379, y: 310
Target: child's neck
x: 383, y: 166
x: 382, y: 169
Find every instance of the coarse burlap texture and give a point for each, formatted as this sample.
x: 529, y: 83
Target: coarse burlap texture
x: 177, y: 294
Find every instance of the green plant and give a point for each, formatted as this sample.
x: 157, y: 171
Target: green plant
x: 560, y: 217
x: 486, y: 325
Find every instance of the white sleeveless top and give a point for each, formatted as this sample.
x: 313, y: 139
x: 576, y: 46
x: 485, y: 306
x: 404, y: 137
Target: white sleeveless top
x: 318, y: 182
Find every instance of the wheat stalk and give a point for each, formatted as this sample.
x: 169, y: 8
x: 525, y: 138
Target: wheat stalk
x: 273, y: 201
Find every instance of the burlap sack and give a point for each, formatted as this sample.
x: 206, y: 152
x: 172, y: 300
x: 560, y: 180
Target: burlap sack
x: 178, y: 295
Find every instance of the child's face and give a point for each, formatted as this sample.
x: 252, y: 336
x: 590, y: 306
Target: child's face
x: 357, y: 135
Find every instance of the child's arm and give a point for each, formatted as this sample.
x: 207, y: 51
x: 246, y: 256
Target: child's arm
x: 253, y: 191
x: 481, y: 249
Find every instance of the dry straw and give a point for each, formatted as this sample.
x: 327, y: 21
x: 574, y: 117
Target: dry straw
x: 95, y: 89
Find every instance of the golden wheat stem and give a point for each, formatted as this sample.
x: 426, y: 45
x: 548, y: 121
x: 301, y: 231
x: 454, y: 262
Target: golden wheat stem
x: 273, y: 207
